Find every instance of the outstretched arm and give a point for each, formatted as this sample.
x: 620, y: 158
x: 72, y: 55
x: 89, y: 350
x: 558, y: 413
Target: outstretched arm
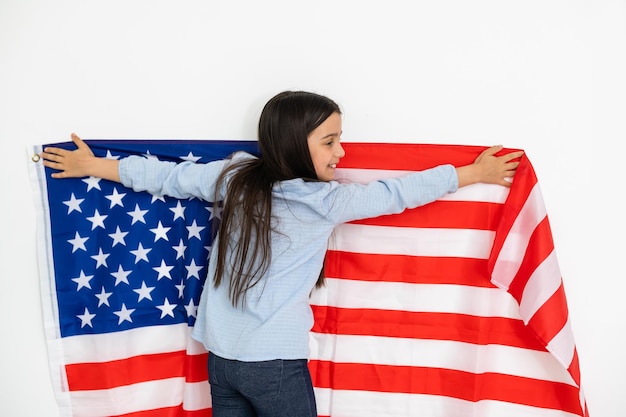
x: 80, y: 162
x: 490, y: 169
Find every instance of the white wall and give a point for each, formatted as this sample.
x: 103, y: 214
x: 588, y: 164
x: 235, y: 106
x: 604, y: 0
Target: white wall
x: 546, y: 76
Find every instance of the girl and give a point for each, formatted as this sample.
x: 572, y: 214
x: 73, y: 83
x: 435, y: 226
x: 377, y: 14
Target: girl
x: 279, y: 211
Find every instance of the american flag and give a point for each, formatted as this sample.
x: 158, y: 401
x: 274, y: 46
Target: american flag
x: 456, y: 308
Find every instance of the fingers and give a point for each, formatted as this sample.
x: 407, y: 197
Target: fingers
x: 78, y: 141
x: 492, y: 150
x: 55, y: 158
x: 512, y: 155
x: 52, y: 161
x: 59, y: 175
x: 511, y: 166
x: 56, y: 154
x: 510, y: 160
x: 53, y: 153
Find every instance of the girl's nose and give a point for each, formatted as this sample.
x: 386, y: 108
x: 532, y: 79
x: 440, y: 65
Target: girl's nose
x: 340, y: 151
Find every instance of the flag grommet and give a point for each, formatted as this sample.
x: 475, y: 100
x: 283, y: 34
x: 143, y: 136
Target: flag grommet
x: 36, y: 158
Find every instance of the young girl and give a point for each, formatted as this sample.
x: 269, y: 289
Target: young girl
x: 279, y: 211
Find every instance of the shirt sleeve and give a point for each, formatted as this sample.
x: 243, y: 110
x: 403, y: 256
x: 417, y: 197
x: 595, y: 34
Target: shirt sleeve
x: 348, y: 202
x: 180, y: 180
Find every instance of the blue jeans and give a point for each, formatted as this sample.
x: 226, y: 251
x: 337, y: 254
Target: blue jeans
x: 276, y: 388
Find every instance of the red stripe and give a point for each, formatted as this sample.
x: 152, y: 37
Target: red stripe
x: 574, y: 368
x: 551, y: 316
x: 411, y: 157
x: 418, y: 325
x: 477, y: 215
x: 170, y: 412
x: 111, y: 374
x: 446, y: 382
x: 196, y: 368
x: 523, y: 183
x: 539, y: 247
x: 409, y: 269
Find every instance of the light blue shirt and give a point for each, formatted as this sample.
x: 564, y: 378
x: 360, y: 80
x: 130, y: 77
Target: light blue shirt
x: 275, y: 320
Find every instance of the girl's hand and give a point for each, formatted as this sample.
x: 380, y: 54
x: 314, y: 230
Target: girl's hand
x: 71, y: 164
x: 490, y: 169
x: 495, y: 169
x: 80, y: 162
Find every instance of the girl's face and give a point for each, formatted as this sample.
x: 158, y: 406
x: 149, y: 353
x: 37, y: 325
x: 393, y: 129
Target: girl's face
x: 324, y: 146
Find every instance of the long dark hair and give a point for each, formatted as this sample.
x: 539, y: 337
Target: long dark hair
x: 284, y: 126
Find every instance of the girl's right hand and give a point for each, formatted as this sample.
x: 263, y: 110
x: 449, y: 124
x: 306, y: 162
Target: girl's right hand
x: 497, y: 169
x: 489, y: 168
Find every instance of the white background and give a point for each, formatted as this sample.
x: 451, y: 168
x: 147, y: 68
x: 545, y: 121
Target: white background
x: 546, y: 76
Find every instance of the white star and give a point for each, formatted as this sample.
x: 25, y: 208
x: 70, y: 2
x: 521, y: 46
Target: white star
x: 157, y: 197
x: 160, y: 232
x: 179, y: 211
x: 124, y: 314
x: 121, y: 275
x: 109, y: 155
x: 101, y: 258
x: 83, y: 281
x: 103, y: 297
x: 167, y: 309
x: 97, y: 220
x: 73, y: 204
x: 194, y: 230
x: 193, y: 269
x: 180, y: 250
x: 85, y: 318
x: 140, y: 253
x: 137, y: 215
x: 144, y: 292
x: 190, y: 157
x: 92, y: 182
x: 118, y: 237
x: 181, y: 289
x: 78, y: 243
x: 192, y: 309
x: 163, y: 270
x: 116, y: 198
x: 216, y: 212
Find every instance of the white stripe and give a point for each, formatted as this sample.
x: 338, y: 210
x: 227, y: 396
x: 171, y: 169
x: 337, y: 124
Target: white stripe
x: 47, y: 284
x: 364, y: 175
x: 193, y: 346
x: 542, y: 284
x: 581, y: 395
x: 445, y: 354
x: 562, y: 345
x: 128, y: 343
x: 491, y: 193
x: 129, y: 398
x: 463, y: 243
x: 343, y: 403
x: 516, y: 242
x: 197, y: 396
x: 440, y: 298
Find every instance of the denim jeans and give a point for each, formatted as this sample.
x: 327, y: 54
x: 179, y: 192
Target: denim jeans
x: 276, y: 388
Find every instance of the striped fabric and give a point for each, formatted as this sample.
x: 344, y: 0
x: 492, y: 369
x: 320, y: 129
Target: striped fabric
x: 456, y: 308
